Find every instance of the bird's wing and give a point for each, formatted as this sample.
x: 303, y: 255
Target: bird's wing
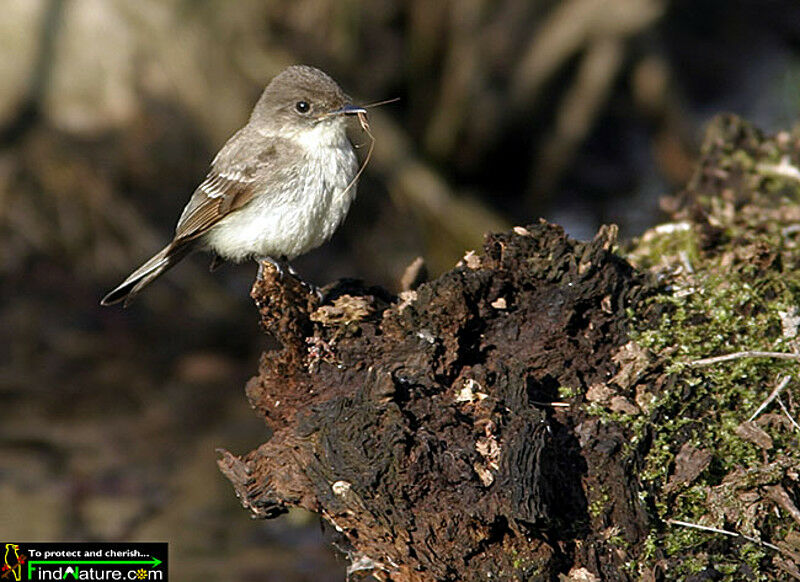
x: 237, y: 174
x: 218, y: 195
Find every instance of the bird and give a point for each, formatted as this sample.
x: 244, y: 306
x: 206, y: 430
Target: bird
x: 278, y: 188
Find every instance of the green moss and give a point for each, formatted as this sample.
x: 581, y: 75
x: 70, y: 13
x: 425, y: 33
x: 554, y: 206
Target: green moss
x: 727, y: 300
x: 566, y: 392
x: 666, y: 244
x: 710, y: 315
x: 618, y: 541
x: 599, y: 505
x: 727, y: 280
x: 741, y: 159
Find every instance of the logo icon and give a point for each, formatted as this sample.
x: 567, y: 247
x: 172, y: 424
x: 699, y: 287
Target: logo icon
x: 12, y: 563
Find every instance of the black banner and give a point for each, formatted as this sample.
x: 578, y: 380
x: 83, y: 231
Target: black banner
x: 83, y: 561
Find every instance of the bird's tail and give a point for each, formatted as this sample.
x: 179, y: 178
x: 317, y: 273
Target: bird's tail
x: 146, y: 274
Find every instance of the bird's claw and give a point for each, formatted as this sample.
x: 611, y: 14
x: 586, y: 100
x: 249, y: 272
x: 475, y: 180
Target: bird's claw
x: 283, y: 267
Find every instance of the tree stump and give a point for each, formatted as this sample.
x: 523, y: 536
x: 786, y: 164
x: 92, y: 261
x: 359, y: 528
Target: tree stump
x: 514, y: 419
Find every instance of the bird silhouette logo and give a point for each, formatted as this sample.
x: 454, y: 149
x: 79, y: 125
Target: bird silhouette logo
x: 12, y: 563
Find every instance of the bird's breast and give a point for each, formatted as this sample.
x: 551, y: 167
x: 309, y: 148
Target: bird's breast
x: 300, y: 213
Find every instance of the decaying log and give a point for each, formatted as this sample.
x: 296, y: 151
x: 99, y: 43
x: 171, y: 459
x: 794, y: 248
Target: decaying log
x: 422, y: 426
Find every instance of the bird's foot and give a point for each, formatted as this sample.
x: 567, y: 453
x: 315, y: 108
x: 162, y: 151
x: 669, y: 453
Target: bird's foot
x: 282, y: 266
x: 216, y: 263
x: 312, y: 289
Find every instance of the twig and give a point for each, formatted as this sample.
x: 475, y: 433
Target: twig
x: 379, y: 103
x: 684, y: 257
x: 773, y: 395
x: 784, y: 169
x: 786, y: 411
x: 747, y: 354
x: 553, y: 404
x: 723, y: 532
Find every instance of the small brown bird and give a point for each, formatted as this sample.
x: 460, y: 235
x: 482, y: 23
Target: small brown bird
x: 277, y: 189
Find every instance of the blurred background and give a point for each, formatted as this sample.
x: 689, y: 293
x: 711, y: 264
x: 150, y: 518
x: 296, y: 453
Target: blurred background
x: 579, y: 111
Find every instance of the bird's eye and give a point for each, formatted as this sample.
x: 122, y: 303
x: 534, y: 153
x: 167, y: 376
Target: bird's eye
x: 302, y: 107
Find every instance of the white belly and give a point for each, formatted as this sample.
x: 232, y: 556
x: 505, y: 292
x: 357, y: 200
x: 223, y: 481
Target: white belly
x: 294, y: 217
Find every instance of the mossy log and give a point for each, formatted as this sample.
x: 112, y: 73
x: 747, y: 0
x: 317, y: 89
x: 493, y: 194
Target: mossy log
x: 539, y: 412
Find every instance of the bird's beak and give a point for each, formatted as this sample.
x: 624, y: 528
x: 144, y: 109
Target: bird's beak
x: 349, y: 110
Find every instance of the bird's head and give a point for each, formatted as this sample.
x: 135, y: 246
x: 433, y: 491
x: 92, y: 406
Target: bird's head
x: 301, y: 99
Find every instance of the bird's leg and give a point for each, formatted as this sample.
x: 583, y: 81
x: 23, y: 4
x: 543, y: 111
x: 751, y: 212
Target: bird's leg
x: 216, y: 263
